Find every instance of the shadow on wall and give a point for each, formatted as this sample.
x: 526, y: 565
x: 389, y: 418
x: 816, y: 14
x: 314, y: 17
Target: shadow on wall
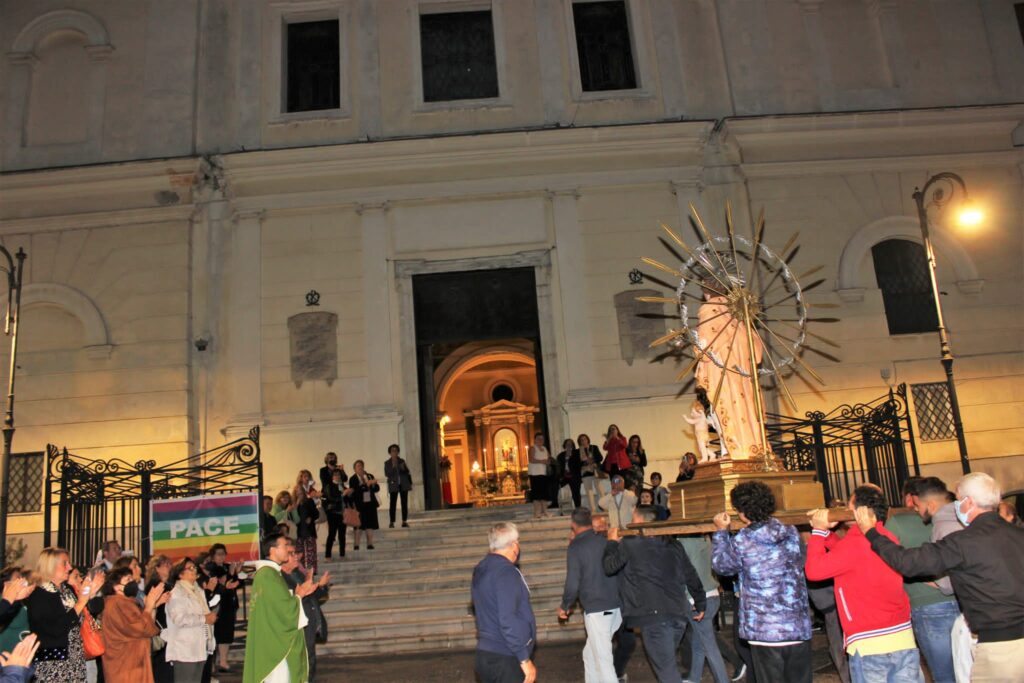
x: 1007, y: 470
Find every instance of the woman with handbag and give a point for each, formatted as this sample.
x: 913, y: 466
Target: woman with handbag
x: 305, y: 533
x: 158, y: 573
x: 364, y: 494
x: 590, y: 469
x: 335, y: 494
x: 399, y: 483
x: 189, y: 632
x: 55, y: 615
x: 128, y: 629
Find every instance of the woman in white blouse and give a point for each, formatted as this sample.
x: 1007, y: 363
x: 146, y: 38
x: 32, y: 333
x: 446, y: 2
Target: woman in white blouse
x: 189, y: 633
x: 537, y: 468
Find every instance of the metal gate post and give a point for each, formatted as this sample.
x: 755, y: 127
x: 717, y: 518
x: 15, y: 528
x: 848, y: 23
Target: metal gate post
x: 147, y: 494
x: 820, y: 463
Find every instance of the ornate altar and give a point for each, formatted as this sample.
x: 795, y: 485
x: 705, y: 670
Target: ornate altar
x: 500, y: 435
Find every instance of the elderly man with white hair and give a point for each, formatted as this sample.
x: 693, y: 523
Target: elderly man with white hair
x: 985, y: 563
x: 506, y: 630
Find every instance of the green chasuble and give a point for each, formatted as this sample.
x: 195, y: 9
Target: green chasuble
x: 274, y: 634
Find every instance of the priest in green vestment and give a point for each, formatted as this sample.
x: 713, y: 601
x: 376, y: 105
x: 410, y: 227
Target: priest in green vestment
x: 275, y: 646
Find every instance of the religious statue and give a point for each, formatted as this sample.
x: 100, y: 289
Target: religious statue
x: 724, y: 371
x: 701, y: 431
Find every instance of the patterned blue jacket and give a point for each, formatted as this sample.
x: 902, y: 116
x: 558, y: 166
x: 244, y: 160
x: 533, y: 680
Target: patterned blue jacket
x: 768, y: 560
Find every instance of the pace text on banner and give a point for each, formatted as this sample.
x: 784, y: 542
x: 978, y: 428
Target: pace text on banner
x: 185, y: 527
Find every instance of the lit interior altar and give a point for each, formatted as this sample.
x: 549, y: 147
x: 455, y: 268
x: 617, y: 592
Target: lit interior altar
x: 500, y: 435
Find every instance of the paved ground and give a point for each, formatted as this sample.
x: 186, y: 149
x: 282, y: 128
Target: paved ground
x: 556, y: 663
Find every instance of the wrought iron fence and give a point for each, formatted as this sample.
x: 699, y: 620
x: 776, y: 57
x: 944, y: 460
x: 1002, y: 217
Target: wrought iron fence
x: 851, y: 445
x: 92, y: 501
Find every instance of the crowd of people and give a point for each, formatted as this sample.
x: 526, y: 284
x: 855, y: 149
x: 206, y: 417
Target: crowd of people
x: 938, y: 586
x: 125, y: 621
x: 614, y: 479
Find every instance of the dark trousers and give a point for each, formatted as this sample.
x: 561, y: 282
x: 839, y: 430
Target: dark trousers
x: 574, y: 489
x: 661, y: 641
x: 494, y: 668
x: 787, y: 664
x: 625, y: 644
x: 335, y: 528
x: 310, y: 634
x: 743, y: 650
x: 404, y: 495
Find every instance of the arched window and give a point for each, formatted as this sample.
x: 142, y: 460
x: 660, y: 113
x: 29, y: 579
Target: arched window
x: 901, y: 269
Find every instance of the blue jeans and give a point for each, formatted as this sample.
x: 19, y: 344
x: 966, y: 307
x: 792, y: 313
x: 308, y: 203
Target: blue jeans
x: 902, y: 666
x: 661, y: 641
x: 705, y: 645
x: 932, y: 625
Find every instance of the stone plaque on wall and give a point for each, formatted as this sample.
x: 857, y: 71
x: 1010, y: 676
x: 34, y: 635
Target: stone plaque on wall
x: 314, y: 346
x: 640, y: 323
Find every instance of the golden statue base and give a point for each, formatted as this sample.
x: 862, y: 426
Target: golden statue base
x: 707, y: 494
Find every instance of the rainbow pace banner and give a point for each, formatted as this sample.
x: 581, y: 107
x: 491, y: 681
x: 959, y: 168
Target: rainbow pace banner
x: 185, y: 527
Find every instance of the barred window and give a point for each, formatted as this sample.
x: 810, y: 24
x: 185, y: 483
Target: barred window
x: 313, y: 66
x: 901, y: 270
x: 26, y: 490
x: 604, y: 46
x: 457, y: 52
x: 933, y: 410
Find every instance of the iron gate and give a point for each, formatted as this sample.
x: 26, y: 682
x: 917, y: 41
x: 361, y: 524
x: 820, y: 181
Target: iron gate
x: 92, y: 501
x: 851, y: 445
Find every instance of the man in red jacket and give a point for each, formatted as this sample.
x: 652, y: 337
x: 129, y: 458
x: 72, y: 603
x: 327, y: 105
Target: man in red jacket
x: 873, y: 607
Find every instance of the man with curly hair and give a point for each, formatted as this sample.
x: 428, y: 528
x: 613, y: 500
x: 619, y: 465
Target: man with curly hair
x: 774, y: 614
x: 873, y: 607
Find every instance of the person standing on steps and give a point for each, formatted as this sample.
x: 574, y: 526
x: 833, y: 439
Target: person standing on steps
x: 335, y: 494
x: 597, y: 593
x: 616, y: 459
x: 619, y: 503
x: 590, y: 469
x: 364, y: 493
x: 399, y: 483
x: 568, y: 472
x: 327, y: 471
x: 539, y: 458
x: 506, y: 629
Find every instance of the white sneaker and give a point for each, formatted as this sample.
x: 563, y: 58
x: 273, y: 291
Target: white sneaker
x: 741, y: 673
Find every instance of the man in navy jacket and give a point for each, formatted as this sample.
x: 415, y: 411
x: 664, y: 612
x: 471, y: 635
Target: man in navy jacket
x: 505, y: 626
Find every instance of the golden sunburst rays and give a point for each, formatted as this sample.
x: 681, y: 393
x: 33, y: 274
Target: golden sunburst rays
x: 764, y: 293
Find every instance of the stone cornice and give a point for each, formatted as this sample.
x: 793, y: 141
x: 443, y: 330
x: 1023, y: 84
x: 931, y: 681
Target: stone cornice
x: 96, y: 219
x: 678, y: 144
x: 785, y: 169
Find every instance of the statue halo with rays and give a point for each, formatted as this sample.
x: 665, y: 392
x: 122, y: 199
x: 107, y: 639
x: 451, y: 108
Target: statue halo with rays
x: 755, y: 287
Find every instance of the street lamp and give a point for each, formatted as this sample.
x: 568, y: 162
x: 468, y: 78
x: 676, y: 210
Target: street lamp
x: 969, y: 216
x: 14, y: 273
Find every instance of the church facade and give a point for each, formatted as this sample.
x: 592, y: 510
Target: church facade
x: 346, y: 220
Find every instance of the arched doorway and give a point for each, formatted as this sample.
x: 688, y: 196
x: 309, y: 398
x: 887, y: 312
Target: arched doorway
x: 488, y: 400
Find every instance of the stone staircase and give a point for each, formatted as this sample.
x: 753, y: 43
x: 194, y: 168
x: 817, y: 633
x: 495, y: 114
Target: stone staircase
x: 412, y: 592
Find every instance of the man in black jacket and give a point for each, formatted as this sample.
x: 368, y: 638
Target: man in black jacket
x: 598, y: 594
x: 984, y: 563
x: 655, y: 575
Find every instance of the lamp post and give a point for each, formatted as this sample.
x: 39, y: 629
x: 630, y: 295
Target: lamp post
x: 14, y: 272
x: 968, y: 216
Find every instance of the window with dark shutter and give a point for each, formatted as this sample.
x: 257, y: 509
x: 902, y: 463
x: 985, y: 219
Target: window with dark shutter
x: 901, y: 270
x: 313, y: 67
x: 934, y: 411
x: 26, y: 490
x: 604, y: 46
x: 457, y: 52
x: 1019, y: 9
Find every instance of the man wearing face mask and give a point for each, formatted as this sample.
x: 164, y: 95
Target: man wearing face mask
x: 984, y: 563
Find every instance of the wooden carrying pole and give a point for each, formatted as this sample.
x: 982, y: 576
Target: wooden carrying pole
x: 707, y: 526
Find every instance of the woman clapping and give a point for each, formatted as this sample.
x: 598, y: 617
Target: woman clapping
x: 129, y: 629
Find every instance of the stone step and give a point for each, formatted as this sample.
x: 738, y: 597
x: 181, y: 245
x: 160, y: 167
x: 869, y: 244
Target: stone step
x: 341, y: 644
x: 458, y: 567
x: 535, y: 576
x: 377, y: 559
x: 447, y: 597
x: 416, y: 615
